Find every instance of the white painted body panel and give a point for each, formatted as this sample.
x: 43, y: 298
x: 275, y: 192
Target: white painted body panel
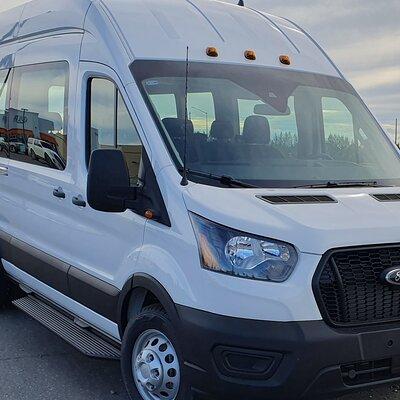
x: 102, y: 38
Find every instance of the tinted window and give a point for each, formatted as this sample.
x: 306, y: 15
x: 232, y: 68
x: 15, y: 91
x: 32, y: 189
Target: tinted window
x: 4, y: 78
x: 38, y: 110
x: 111, y: 125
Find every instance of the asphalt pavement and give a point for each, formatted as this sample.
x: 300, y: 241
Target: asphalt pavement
x: 37, y: 365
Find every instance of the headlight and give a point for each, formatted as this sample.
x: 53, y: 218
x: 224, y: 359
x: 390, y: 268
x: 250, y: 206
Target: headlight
x: 236, y: 253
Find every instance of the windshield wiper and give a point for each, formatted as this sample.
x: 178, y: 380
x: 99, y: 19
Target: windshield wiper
x: 225, y: 180
x: 333, y: 184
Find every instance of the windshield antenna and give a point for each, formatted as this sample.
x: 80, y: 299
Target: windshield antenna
x: 185, y: 181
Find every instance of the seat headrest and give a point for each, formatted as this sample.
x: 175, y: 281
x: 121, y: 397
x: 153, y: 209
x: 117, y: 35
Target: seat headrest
x: 257, y: 130
x: 176, y: 127
x: 222, y: 130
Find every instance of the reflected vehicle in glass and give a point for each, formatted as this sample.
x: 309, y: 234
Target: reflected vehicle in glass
x: 42, y: 150
x: 16, y: 145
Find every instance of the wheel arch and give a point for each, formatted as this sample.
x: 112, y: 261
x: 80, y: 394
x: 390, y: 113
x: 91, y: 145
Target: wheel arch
x: 134, y: 295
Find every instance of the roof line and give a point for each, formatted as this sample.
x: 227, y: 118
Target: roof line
x: 277, y: 27
x: 318, y: 46
x: 207, y: 19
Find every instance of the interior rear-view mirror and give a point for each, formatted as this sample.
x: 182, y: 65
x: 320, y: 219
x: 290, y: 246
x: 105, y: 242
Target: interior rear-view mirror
x: 266, y: 109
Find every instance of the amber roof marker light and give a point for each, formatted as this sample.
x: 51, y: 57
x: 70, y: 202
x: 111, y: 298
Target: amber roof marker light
x: 285, y: 60
x: 212, y: 52
x: 250, y: 55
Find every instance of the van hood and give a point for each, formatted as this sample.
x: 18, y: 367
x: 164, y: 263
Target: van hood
x: 355, y: 219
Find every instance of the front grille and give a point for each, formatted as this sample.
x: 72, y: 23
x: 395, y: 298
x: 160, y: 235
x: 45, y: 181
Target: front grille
x: 365, y: 372
x: 349, y: 289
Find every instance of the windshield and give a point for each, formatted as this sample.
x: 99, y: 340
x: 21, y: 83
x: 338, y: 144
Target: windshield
x: 266, y: 126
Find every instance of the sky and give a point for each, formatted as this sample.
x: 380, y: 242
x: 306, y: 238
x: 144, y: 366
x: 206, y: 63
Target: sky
x: 361, y: 36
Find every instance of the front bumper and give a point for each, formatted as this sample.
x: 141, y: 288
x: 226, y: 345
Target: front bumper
x: 283, y: 361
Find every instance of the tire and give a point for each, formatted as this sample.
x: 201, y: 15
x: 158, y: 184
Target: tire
x: 33, y: 155
x: 151, y: 322
x: 13, y: 149
x: 4, y: 290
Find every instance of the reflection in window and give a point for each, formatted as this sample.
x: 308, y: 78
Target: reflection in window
x: 339, y: 130
x: 165, y: 105
x: 37, y: 131
x: 201, y: 111
x: 4, y: 75
x: 111, y: 125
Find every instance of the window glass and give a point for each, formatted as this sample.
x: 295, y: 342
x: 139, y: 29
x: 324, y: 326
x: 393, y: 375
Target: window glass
x: 283, y: 133
x: 111, y: 125
x: 4, y: 75
x: 38, y: 115
x: 165, y: 105
x: 339, y: 130
x: 102, y: 115
x: 271, y: 127
x: 201, y: 111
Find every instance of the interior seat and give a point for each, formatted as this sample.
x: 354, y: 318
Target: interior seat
x: 257, y: 135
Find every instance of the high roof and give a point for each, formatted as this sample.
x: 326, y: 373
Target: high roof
x: 161, y: 29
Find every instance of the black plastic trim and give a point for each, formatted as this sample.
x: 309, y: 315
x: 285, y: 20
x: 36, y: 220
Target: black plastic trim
x: 143, y: 281
x: 312, y: 354
x: 92, y: 292
x: 317, y: 292
x: 40, y: 265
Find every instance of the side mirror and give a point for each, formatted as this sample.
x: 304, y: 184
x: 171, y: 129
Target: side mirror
x: 108, y: 185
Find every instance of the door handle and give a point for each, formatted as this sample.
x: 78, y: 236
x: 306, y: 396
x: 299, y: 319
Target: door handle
x: 4, y: 171
x: 59, y: 193
x: 78, y: 201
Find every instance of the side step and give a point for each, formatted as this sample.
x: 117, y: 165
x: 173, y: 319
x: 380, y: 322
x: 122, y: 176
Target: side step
x: 82, y: 339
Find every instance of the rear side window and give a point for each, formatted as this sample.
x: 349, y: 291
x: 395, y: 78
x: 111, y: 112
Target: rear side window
x: 39, y: 111
x: 4, y: 78
x: 111, y: 125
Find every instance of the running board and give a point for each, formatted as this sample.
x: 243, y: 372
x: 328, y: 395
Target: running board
x: 82, y: 339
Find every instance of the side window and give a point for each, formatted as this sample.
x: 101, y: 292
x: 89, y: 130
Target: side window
x: 201, y: 111
x: 339, y: 137
x: 4, y: 77
x: 111, y: 126
x: 39, y: 111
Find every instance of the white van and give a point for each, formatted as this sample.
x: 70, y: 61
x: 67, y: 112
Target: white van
x: 227, y: 221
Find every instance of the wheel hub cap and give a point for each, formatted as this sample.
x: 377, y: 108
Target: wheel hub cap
x: 155, y: 367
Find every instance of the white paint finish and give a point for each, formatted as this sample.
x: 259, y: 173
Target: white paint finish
x: 65, y: 302
x: 356, y: 219
x: 112, y: 247
x: 161, y: 29
x: 44, y: 15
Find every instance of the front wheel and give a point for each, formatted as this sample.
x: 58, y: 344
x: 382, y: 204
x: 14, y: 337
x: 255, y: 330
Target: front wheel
x: 151, y: 359
x: 4, y: 290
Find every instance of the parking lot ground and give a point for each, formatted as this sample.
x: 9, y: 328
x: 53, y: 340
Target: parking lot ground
x: 37, y: 365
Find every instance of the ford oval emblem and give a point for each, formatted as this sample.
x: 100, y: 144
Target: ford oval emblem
x: 391, y: 276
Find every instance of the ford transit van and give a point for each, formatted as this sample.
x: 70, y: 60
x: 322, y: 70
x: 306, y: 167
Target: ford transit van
x: 200, y: 193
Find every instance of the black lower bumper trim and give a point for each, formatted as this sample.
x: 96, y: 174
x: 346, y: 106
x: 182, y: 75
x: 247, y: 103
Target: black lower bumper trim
x: 304, y: 360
